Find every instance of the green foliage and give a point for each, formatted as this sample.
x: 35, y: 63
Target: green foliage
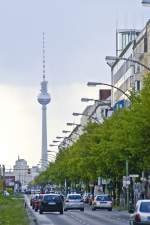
x: 103, y: 149
x: 12, y: 211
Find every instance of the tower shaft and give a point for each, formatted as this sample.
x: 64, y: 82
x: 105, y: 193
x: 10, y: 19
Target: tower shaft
x: 44, y: 155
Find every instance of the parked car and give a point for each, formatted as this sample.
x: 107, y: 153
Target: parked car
x: 141, y: 214
x: 102, y: 201
x: 51, y: 203
x: 74, y: 201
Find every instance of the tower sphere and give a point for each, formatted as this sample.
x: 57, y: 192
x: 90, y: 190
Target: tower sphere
x: 44, y: 97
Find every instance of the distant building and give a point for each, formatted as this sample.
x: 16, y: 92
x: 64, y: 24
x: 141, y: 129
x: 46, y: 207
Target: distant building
x: 34, y: 172
x: 21, y: 172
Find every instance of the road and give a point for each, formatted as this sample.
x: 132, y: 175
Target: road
x: 88, y: 217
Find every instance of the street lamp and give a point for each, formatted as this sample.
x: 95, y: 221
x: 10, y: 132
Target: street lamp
x: 86, y: 99
x: 59, y: 137
x: 53, y: 145
x: 108, y: 58
x: 53, y: 156
x: 56, y: 141
x: 93, y: 84
x: 107, y: 102
x: 51, y: 151
x: 66, y: 131
x: 73, y: 124
x: 82, y: 114
x: 146, y: 2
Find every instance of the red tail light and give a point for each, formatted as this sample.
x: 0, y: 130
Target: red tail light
x: 137, y: 218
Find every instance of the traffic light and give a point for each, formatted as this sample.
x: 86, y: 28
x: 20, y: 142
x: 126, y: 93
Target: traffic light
x: 29, y: 171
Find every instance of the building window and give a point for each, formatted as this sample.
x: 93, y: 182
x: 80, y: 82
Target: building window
x: 145, y: 44
x: 137, y: 85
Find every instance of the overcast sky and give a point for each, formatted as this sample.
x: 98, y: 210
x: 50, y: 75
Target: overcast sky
x: 79, y: 34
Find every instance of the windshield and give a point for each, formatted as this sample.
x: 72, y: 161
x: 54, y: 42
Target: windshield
x: 145, y: 207
x: 74, y: 197
x: 103, y: 198
x: 51, y: 198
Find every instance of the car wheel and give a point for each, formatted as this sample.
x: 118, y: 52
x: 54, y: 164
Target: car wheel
x: 61, y: 212
x: 110, y: 209
x: 134, y: 223
x: 40, y: 211
x: 131, y: 222
x: 82, y: 210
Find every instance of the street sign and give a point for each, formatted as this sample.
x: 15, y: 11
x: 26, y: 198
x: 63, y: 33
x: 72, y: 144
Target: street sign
x: 126, y: 181
x: 134, y: 175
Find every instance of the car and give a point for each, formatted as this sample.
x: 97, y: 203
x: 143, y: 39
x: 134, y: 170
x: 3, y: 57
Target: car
x: 141, y: 214
x: 102, y: 201
x: 51, y: 203
x: 73, y: 201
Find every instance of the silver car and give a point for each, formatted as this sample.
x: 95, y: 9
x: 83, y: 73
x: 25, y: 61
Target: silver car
x: 74, y: 201
x: 102, y: 201
x: 141, y: 214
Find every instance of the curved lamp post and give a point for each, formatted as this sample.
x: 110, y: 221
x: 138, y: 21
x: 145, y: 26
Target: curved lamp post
x: 56, y: 141
x: 82, y: 114
x: 51, y: 151
x: 74, y: 124
x: 111, y: 58
x: 59, y: 137
x: 66, y: 131
x: 96, y: 100
x: 109, y: 85
x: 53, y: 145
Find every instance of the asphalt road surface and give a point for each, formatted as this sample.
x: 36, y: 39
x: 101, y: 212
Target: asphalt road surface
x: 88, y: 217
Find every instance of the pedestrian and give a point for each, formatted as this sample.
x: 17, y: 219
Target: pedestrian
x: 25, y: 204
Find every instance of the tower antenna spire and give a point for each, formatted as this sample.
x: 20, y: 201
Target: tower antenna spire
x: 43, y: 56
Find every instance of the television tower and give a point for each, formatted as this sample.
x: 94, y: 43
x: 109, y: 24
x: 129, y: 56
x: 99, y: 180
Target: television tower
x: 44, y: 98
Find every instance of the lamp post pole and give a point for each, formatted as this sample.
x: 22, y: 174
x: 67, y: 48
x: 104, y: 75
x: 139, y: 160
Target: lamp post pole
x: 127, y: 185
